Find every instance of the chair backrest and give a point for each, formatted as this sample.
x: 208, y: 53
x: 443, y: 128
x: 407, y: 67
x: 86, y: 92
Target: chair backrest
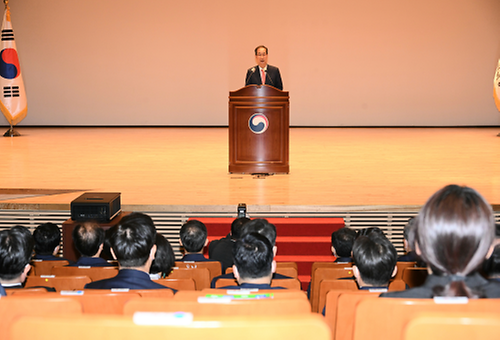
x: 104, y: 301
x: 456, y: 326
x: 220, y: 306
x: 285, y: 283
x: 284, y: 268
x: 414, y: 277
x: 159, y: 293
x: 39, y: 267
x: 178, y: 284
x: 331, y: 306
x: 326, y: 273
x: 346, y: 309
x: 124, y: 328
x: 58, y: 282
x: 95, y: 273
x: 277, y: 293
x: 25, y: 291
x: 201, y: 276
x: 14, y: 306
x: 214, y: 267
x: 326, y: 285
x: 385, y: 318
x: 317, y: 265
x: 395, y: 285
x: 401, y: 267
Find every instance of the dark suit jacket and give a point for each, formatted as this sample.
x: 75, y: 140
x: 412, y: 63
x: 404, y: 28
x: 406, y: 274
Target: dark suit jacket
x: 91, y: 262
x: 475, y: 281
x: 222, y: 251
x: 127, y: 278
x: 273, y: 77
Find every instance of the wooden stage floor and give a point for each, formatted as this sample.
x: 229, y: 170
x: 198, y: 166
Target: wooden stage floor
x: 185, y: 169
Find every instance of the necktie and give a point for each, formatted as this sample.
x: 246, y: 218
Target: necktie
x: 263, y: 75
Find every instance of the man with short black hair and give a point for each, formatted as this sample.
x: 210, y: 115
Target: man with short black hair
x: 16, y: 246
x: 133, y: 245
x: 88, y: 238
x: 254, y: 263
x: 193, y: 238
x: 47, y: 238
x: 268, y: 230
x: 375, y: 260
x: 342, y: 241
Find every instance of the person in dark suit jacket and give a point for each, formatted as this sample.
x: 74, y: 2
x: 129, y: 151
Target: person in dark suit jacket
x: 222, y: 250
x: 133, y: 245
x: 263, y: 73
x: 16, y: 246
x: 88, y: 238
x: 254, y: 263
x: 47, y: 237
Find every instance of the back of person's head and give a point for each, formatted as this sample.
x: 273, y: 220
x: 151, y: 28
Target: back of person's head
x: 47, y: 237
x: 375, y: 257
x: 253, y: 256
x: 409, y: 233
x: 454, y: 232
x: 16, y: 246
x: 132, y: 240
x: 237, y: 226
x: 193, y: 236
x: 342, y: 241
x: 369, y: 230
x: 260, y: 226
x: 88, y: 238
x: 165, y: 258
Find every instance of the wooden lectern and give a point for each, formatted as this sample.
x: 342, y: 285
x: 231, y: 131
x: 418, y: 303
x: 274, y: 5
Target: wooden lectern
x: 258, y: 130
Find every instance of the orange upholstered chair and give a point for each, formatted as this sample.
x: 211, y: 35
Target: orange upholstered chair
x: 95, y: 273
x: 124, y: 328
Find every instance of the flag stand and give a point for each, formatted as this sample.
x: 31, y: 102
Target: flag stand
x: 11, y: 132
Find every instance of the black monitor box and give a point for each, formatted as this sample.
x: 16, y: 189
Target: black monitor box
x: 98, y: 206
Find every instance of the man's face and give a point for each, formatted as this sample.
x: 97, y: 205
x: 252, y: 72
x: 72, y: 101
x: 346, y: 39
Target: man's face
x: 261, y: 57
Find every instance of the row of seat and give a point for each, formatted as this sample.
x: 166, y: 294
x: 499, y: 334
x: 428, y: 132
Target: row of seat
x: 207, y: 303
x: 201, y: 273
x: 357, y: 315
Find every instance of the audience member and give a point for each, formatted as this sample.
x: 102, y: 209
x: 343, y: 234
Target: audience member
x: 47, y: 238
x: 254, y: 263
x: 408, y: 242
x: 222, y: 250
x: 88, y: 238
x: 193, y: 238
x: 133, y: 245
x: 342, y: 241
x: 16, y: 246
x: 164, y: 260
x: 374, y: 261
x: 454, y: 234
x: 266, y: 229
x: 491, y: 267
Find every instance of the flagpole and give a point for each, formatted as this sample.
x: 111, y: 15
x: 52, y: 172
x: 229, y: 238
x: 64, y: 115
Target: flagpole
x: 10, y: 132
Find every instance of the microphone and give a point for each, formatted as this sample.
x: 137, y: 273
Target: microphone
x: 271, y: 79
x: 251, y: 71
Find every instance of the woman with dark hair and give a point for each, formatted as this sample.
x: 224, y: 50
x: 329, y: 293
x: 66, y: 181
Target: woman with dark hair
x: 454, y: 233
x: 164, y: 259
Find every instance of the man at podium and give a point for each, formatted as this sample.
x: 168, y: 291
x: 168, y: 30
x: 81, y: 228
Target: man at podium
x: 263, y: 73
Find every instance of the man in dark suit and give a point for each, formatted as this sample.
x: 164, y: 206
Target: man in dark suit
x: 16, y: 245
x: 254, y: 263
x: 222, y: 250
x: 88, y: 238
x: 133, y: 245
x: 263, y: 73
